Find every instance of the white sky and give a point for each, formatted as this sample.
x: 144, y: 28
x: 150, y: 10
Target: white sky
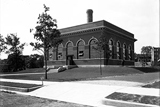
x: 140, y: 17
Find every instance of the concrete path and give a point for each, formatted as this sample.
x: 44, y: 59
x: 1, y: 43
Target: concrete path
x: 86, y: 94
x: 82, y: 93
x: 93, y: 92
x: 141, y: 78
x: 135, y: 80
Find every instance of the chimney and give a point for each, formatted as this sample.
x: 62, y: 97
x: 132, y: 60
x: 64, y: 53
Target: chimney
x: 89, y: 15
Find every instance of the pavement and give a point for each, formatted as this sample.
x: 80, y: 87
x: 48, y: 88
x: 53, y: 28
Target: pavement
x: 92, y: 92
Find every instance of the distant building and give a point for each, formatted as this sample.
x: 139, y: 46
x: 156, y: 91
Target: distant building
x: 143, y: 58
x: 78, y: 43
x: 155, y: 55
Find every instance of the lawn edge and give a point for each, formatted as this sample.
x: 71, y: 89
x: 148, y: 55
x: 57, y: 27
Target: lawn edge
x: 8, y: 88
x: 113, y: 102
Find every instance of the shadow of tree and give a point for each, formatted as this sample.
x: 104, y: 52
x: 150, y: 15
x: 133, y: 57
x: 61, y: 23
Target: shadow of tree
x: 148, y: 69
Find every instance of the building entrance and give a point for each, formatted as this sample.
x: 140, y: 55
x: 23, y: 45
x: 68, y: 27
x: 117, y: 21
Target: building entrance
x: 69, y: 60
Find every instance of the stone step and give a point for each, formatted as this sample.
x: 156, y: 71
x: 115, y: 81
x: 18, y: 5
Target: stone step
x: 53, y: 71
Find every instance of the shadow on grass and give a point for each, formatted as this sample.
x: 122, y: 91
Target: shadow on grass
x: 148, y: 69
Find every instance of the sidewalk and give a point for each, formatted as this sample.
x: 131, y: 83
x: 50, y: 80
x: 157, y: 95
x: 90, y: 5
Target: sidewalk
x: 82, y: 93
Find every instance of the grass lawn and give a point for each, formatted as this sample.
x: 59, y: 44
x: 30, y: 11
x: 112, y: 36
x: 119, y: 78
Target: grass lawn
x: 34, y: 70
x: 20, y: 85
x: 78, y: 73
x: 138, y: 98
x: 156, y: 84
x: 16, y: 100
x: 135, y: 98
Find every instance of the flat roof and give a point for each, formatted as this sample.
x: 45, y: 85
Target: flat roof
x: 94, y: 25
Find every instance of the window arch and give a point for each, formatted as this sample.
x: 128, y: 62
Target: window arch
x: 69, y: 48
x: 92, y: 51
x: 51, y: 54
x: 111, y: 48
x: 92, y: 39
x: 124, y: 51
x: 130, y: 52
x: 80, y: 49
x: 60, y: 51
x: 118, y: 50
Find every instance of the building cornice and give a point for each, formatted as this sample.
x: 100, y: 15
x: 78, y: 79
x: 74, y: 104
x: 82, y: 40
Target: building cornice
x: 82, y: 31
x: 71, y: 33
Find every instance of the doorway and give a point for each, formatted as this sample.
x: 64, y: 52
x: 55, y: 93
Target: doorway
x: 69, y: 60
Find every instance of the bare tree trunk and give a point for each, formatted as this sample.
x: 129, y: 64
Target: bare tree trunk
x: 45, y: 60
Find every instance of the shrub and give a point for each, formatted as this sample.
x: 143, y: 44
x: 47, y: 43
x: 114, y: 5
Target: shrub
x: 34, y: 61
x: 15, y: 62
x: 4, y: 68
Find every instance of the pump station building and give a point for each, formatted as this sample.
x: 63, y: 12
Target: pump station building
x: 78, y: 42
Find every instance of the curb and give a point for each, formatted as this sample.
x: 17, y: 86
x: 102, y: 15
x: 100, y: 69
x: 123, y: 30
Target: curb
x: 119, y: 103
x: 18, y: 88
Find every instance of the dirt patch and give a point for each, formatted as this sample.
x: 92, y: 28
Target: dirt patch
x: 135, y: 98
x: 16, y: 100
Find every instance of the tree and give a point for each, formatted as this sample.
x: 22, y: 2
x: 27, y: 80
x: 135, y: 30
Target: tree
x: 2, y: 44
x: 14, y: 48
x: 146, y: 50
x: 46, y: 34
x: 15, y: 62
x: 102, y: 46
x: 13, y: 44
x: 34, y: 61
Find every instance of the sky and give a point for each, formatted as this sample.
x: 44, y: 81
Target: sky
x: 140, y: 17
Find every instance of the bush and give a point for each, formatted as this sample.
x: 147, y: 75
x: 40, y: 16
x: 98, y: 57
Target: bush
x: 4, y: 68
x: 15, y: 62
x: 34, y: 61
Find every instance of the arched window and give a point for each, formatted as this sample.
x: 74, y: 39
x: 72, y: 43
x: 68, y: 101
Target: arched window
x: 130, y: 53
x: 80, y: 49
x: 69, y: 48
x: 51, y: 54
x: 111, y: 48
x: 92, y: 50
x: 124, y: 51
x: 118, y: 50
x: 60, y: 51
x: 54, y: 56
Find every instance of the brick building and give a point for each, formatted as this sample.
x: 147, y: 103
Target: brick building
x: 78, y: 43
x: 155, y: 55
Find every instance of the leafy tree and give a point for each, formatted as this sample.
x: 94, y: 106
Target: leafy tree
x: 46, y: 34
x: 34, y: 61
x: 146, y: 50
x: 102, y: 46
x: 15, y: 62
x: 13, y: 44
x: 2, y: 44
x: 14, y: 48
